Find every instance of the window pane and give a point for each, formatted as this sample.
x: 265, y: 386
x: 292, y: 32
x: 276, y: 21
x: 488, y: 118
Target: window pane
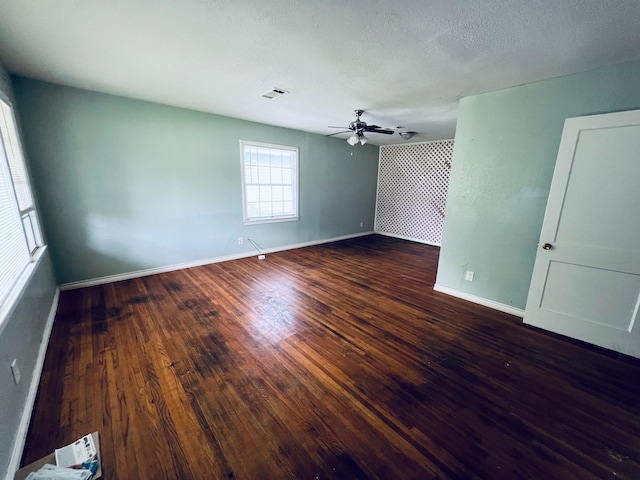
x: 19, y: 231
x: 14, y: 252
x: 13, y: 150
x: 253, y: 194
x: 28, y: 230
x: 276, y: 176
x: 278, y: 208
x: 287, y: 174
x: 277, y: 193
x: 251, y: 155
x: 270, y: 176
x: 287, y: 158
x: 254, y: 173
x: 36, y: 228
x: 253, y: 210
x: 265, y: 210
x: 265, y: 193
x: 264, y: 175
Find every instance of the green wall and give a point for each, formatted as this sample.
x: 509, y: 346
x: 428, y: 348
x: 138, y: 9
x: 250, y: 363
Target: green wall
x: 505, y: 152
x: 128, y: 185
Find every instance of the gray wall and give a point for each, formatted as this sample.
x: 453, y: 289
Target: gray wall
x: 20, y: 338
x: 505, y: 152
x: 128, y: 185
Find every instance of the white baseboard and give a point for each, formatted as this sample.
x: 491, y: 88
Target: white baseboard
x: 179, y: 266
x: 387, y: 234
x: 23, y: 427
x: 481, y: 301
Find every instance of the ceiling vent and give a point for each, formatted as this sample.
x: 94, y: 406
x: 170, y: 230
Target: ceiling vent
x: 275, y: 93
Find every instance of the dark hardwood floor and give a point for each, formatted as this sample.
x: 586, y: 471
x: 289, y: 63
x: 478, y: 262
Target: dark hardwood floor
x: 334, y: 361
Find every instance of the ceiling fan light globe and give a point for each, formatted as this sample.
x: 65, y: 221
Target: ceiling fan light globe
x: 352, y: 140
x: 407, y: 135
x: 363, y: 139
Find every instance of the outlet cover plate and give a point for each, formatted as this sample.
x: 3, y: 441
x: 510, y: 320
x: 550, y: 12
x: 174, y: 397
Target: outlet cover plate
x: 468, y: 276
x: 15, y: 370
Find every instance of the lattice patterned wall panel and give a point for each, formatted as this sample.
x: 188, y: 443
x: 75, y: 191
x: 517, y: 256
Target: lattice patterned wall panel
x: 412, y: 190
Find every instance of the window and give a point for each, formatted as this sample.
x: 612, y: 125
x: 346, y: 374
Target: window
x: 21, y: 238
x: 270, y: 182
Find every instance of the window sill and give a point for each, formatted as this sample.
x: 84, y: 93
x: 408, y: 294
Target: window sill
x: 272, y: 220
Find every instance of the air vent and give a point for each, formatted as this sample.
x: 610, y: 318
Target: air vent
x: 276, y: 92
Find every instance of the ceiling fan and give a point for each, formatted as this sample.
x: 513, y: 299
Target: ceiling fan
x: 358, y: 127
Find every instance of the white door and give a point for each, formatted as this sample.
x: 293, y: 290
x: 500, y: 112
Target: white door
x: 586, y: 278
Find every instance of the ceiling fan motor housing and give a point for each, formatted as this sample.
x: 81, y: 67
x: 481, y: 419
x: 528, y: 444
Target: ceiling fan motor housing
x: 357, y: 125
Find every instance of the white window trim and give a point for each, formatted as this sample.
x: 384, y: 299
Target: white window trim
x: 296, y: 190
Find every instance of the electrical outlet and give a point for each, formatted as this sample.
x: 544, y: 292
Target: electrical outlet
x: 468, y: 276
x: 361, y: 224
x: 16, y: 371
x: 261, y: 257
x: 240, y: 240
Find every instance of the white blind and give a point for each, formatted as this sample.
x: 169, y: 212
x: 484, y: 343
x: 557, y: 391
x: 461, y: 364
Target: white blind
x: 14, y: 252
x: 15, y: 158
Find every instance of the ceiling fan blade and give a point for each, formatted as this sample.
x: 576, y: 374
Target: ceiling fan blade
x: 380, y: 130
x: 332, y: 126
x: 337, y: 133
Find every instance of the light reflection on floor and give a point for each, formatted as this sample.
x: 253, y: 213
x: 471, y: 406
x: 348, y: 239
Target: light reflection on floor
x: 275, y: 305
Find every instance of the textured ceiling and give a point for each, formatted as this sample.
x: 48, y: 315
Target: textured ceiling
x: 404, y: 62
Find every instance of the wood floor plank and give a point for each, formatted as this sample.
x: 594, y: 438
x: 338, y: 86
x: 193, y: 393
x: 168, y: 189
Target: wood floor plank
x: 334, y: 361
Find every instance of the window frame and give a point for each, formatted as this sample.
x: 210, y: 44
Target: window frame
x: 18, y: 169
x: 25, y: 215
x: 248, y: 220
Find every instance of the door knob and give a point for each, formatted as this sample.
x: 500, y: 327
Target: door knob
x: 547, y: 246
